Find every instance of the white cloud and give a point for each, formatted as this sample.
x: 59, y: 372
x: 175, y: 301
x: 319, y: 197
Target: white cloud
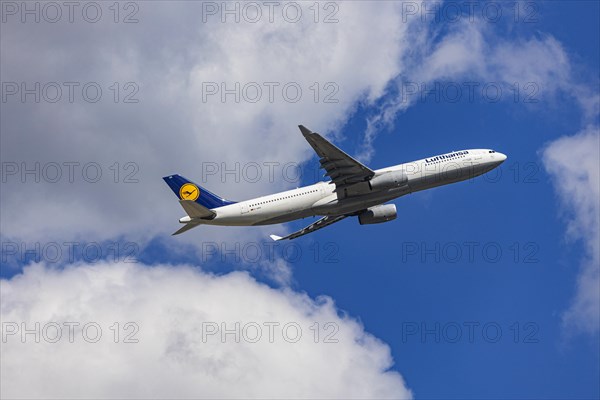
x: 173, y: 306
x: 574, y: 164
x: 170, y: 53
x: 473, y: 52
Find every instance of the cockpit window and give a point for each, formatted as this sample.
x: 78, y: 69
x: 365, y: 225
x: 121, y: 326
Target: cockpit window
x: 492, y: 151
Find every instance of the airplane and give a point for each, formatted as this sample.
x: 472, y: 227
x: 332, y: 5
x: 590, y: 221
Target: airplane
x: 353, y: 190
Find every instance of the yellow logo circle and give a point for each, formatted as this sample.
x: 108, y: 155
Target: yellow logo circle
x: 189, y: 191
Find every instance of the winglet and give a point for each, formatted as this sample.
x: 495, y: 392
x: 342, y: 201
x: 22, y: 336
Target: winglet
x: 305, y: 131
x: 275, y: 237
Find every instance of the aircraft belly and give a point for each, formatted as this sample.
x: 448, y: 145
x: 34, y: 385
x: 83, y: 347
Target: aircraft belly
x: 287, y: 217
x: 428, y: 181
x: 353, y: 204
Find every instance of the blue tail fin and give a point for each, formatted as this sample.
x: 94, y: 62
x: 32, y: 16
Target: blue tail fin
x: 187, y: 190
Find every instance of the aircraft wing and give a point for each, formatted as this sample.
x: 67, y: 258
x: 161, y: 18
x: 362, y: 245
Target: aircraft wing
x: 343, y: 169
x: 315, y: 226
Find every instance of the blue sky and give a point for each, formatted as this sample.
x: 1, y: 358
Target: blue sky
x: 512, y: 214
x: 516, y: 212
x: 401, y: 277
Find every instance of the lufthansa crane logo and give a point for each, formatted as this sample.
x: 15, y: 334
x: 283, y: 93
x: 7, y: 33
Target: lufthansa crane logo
x: 189, y: 191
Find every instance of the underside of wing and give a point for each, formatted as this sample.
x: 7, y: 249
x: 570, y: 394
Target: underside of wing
x: 315, y: 226
x: 341, y: 168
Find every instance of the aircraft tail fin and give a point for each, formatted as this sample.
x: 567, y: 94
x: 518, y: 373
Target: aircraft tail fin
x: 187, y: 190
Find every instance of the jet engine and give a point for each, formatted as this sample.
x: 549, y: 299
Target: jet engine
x: 388, y: 180
x: 377, y: 214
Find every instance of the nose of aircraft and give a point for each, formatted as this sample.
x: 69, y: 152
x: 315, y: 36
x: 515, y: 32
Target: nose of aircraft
x: 500, y: 157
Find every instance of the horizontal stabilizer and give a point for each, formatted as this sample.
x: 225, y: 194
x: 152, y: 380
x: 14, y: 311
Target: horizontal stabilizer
x: 187, y: 227
x: 275, y: 237
x: 195, y: 210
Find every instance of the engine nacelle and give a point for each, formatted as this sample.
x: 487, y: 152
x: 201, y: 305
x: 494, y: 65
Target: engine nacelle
x: 388, y: 180
x: 378, y: 214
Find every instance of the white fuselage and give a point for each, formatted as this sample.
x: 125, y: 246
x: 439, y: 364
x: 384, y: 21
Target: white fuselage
x: 321, y: 198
